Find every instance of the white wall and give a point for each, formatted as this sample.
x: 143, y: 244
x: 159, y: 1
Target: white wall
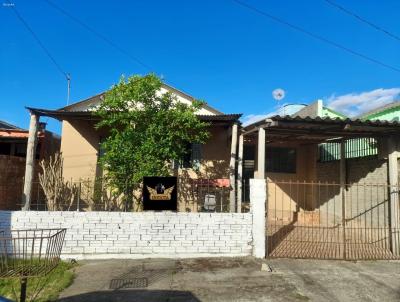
x: 102, y: 235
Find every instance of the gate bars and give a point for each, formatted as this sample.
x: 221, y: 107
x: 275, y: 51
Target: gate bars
x: 307, y: 220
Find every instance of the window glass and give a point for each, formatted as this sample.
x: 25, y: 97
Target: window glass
x: 192, y: 157
x: 280, y: 160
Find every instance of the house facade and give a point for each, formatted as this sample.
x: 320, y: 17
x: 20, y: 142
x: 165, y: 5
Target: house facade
x: 207, y: 167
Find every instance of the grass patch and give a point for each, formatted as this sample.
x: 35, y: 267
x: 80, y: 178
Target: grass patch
x: 60, y: 278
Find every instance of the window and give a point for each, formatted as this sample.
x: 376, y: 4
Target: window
x: 354, y: 148
x: 192, y: 157
x: 101, y: 150
x: 5, y: 148
x: 280, y: 160
x: 20, y: 150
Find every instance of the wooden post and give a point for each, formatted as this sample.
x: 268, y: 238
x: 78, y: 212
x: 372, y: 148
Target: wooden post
x: 261, y: 154
x: 394, y: 207
x: 232, y: 169
x: 343, y: 192
x: 30, y: 161
x: 240, y: 175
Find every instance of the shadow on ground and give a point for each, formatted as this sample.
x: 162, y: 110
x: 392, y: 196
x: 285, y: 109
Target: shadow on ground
x: 133, y: 296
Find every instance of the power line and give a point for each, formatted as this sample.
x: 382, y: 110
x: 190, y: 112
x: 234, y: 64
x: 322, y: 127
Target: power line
x: 315, y: 36
x: 99, y: 35
x: 39, y: 42
x: 373, y: 25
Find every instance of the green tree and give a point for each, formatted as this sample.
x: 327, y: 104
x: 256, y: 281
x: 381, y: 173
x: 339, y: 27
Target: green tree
x: 147, y: 131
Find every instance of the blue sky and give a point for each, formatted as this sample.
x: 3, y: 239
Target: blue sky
x: 217, y: 51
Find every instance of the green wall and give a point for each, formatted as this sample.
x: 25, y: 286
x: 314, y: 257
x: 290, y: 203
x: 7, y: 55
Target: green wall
x: 390, y: 114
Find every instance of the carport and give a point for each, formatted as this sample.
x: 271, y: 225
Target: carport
x: 309, y: 216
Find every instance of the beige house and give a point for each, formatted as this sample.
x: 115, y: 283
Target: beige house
x: 209, y: 165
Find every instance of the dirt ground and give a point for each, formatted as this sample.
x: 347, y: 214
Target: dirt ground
x: 234, y: 279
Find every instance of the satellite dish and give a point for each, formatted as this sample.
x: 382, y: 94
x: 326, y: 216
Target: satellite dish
x: 278, y: 94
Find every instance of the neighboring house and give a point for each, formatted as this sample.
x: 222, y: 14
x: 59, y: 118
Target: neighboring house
x: 80, y: 144
x: 317, y: 109
x: 13, y: 146
x: 362, y: 147
x: 389, y: 112
x: 355, y: 147
x: 13, y: 141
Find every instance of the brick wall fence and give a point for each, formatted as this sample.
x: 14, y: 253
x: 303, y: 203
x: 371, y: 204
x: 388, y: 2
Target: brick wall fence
x: 12, y: 170
x: 142, y: 235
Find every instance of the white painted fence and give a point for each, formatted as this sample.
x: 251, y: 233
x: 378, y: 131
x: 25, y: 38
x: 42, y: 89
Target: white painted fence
x: 142, y: 235
x: 102, y: 235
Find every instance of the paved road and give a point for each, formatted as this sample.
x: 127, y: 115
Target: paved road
x: 236, y: 279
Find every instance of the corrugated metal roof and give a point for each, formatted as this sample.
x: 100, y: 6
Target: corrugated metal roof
x: 220, y: 117
x: 288, y: 128
x: 5, y: 125
x: 100, y: 96
x: 329, y: 120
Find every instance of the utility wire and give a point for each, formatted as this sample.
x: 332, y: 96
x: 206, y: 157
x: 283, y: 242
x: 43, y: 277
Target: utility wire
x: 99, y: 35
x: 315, y: 36
x: 373, y: 25
x: 35, y: 36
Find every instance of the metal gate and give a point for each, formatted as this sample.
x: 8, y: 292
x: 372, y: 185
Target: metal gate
x: 324, y: 221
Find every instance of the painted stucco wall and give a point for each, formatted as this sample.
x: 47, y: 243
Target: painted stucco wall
x: 215, y: 155
x: 316, y: 194
x: 79, y: 148
x: 80, y: 145
x: 289, y: 197
x: 327, y: 112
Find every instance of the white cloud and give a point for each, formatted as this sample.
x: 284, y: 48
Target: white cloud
x: 252, y: 118
x: 354, y: 104
x: 285, y: 109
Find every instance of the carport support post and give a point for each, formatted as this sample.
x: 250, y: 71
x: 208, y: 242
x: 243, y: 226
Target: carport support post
x: 30, y: 161
x: 394, y: 207
x: 343, y: 192
x: 240, y: 175
x: 258, y: 199
x: 261, y: 154
x: 232, y: 170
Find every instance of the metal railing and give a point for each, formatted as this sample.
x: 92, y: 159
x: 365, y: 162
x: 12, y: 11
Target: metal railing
x: 324, y: 220
x: 198, y: 195
x: 29, y: 253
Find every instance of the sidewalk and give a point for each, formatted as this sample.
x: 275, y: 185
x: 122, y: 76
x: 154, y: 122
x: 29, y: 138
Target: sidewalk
x: 236, y: 279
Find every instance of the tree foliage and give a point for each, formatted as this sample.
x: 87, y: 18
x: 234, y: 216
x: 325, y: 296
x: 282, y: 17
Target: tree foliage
x: 146, y: 129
